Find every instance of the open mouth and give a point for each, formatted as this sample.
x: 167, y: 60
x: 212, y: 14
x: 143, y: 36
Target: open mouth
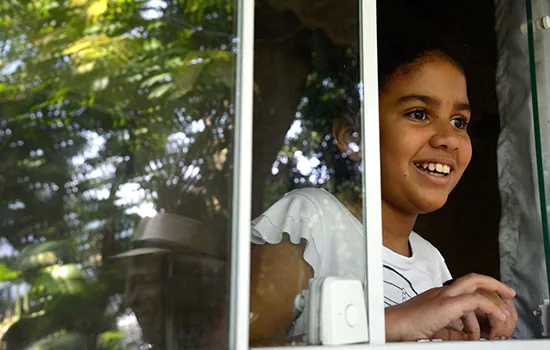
x: 435, y: 169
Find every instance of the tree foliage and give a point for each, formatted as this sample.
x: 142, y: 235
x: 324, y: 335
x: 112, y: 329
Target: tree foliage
x: 107, y: 105
x: 113, y: 109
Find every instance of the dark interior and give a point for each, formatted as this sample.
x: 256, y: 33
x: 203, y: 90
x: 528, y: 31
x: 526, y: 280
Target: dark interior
x: 466, y: 229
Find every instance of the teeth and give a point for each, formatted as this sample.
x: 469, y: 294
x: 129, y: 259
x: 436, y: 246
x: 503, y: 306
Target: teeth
x: 436, y: 167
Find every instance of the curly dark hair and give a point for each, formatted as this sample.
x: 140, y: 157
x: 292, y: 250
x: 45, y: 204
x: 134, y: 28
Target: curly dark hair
x: 397, y: 50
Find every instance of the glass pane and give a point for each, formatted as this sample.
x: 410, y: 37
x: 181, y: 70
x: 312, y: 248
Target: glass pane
x: 307, y: 73
x: 116, y: 145
x: 538, y: 14
x: 306, y: 76
x: 521, y: 78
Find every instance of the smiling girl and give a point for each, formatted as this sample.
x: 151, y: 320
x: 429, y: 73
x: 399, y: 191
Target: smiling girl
x: 424, y: 150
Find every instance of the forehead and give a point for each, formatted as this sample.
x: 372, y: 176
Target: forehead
x: 435, y: 77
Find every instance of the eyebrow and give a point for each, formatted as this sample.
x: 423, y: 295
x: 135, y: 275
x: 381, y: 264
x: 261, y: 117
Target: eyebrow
x: 459, y: 106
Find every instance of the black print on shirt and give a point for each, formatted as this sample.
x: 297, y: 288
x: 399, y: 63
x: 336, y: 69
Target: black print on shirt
x: 398, y: 288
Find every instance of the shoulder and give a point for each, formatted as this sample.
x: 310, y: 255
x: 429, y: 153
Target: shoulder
x: 314, y: 194
x: 306, y: 200
x: 431, y: 258
x: 297, y: 213
x: 424, y: 247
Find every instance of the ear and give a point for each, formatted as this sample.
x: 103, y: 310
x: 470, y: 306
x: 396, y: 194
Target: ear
x: 345, y: 141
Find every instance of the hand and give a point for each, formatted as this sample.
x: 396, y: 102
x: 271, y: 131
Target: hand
x: 493, y: 329
x: 435, y: 310
x: 481, y: 324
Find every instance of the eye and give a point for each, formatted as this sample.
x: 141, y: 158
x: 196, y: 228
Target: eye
x: 460, y: 123
x: 418, y: 114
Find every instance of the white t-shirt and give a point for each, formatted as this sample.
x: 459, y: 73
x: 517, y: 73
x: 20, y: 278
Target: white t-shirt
x: 335, y: 246
x: 406, y: 277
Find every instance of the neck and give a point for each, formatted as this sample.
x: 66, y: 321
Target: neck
x: 396, y: 227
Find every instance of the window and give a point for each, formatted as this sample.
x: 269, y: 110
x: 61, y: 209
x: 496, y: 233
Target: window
x: 116, y: 139
x: 139, y: 138
x: 487, y: 132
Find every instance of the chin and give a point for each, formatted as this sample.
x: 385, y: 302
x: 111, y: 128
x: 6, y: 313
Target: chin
x: 431, y: 205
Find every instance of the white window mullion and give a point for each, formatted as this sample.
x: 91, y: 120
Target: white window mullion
x: 370, y: 146
x: 242, y: 180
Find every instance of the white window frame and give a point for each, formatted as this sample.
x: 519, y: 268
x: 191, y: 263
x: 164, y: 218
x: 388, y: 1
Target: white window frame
x: 239, y: 308
x: 240, y: 252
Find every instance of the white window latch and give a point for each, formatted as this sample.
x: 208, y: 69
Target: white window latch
x: 336, y: 312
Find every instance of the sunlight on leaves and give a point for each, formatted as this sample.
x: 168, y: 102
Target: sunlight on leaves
x: 76, y: 3
x: 159, y: 91
x: 96, y: 9
x: 155, y: 79
x: 6, y: 274
x: 84, y: 68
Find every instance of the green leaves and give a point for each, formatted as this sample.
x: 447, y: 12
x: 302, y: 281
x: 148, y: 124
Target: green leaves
x: 155, y: 79
x: 95, y: 9
x: 184, y: 74
x: 110, y: 340
x: 60, y: 340
x: 7, y: 274
x: 44, y: 254
x: 160, y: 90
x: 105, y: 107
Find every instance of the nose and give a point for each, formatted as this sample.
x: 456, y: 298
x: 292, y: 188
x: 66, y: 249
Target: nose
x: 445, y: 136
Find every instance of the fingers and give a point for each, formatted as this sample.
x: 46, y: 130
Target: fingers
x: 457, y: 307
x: 498, y: 327
x: 471, y: 326
x: 491, y: 327
x: 457, y: 324
x: 449, y: 333
x: 473, y: 282
x: 434, y: 313
x: 512, y: 320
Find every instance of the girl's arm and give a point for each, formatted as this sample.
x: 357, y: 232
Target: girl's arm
x: 278, y: 272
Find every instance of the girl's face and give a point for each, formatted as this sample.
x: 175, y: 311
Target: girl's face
x: 424, y: 145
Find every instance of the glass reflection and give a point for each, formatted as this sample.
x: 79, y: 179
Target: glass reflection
x: 307, y: 77
x: 116, y: 166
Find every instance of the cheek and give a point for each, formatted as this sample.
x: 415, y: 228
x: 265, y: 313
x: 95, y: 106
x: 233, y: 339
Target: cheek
x: 394, y: 162
x: 391, y: 140
x: 402, y: 147
x: 399, y: 142
x: 464, y: 157
x: 466, y: 153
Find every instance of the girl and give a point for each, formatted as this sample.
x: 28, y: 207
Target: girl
x: 424, y: 149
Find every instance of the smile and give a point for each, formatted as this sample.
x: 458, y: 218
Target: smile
x: 435, y: 169
x: 436, y: 174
